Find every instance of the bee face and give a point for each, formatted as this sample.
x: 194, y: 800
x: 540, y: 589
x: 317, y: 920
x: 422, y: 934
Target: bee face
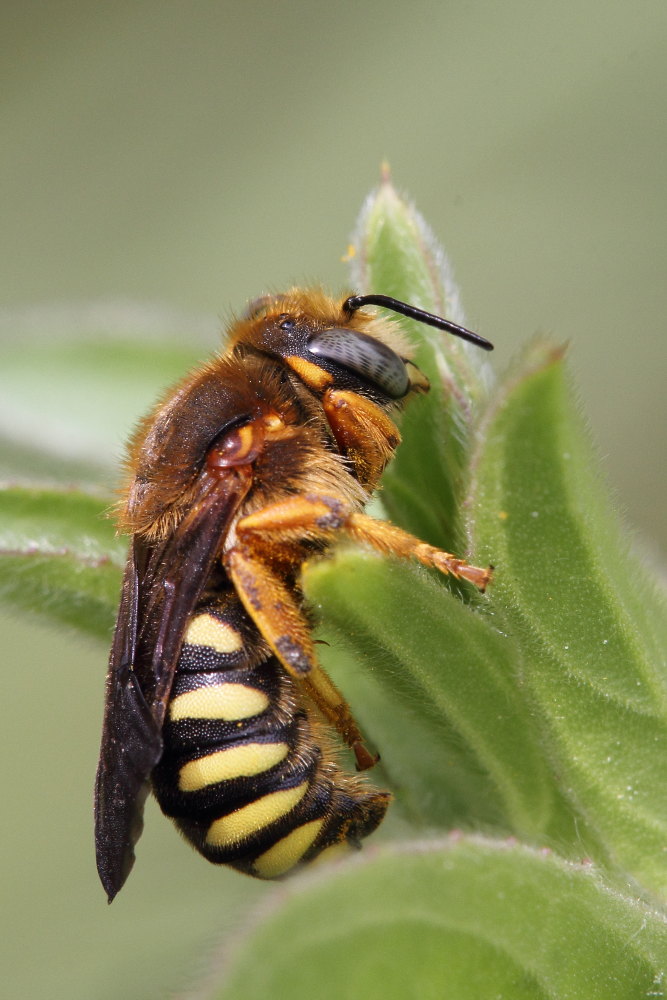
x: 328, y: 344
x: 253, y: 464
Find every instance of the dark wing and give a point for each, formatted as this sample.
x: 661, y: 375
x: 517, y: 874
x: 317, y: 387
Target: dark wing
x: 161, y: 587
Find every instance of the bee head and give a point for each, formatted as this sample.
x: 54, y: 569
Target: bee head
x: 329, y: 342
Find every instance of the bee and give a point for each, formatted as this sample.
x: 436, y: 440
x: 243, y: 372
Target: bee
x: 215, y: 699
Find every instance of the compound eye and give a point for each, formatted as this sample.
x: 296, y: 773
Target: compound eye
x: 365, y: 356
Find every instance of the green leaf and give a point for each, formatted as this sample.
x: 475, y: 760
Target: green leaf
x: 432, y: 682
x: 467, y: 918
x: 397, y: 254
x: 59, y: 557
x: 590, y: 624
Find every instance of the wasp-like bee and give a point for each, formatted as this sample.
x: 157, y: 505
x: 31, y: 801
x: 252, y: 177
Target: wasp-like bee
x: 215, y: 699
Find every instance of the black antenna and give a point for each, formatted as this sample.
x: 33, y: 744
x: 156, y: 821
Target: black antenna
x: 412, y: 312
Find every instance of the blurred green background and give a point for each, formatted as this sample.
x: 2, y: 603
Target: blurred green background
x: 191, y: 155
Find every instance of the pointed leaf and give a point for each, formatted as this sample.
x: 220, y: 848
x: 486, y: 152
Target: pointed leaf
x: 397, y: 254
x: 590, y: 624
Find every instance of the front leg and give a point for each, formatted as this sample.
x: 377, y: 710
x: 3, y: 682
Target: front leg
x: 363, y: 432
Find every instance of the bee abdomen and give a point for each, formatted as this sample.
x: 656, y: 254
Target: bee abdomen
x: 242, y: 773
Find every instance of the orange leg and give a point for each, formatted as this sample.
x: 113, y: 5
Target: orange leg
x: 271, y: 605
x: 363, y: 432
x: 387, y: 538
x: 269, y: 539
x: 313, y: 516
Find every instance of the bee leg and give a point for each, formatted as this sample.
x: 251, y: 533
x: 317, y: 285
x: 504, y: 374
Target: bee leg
x: 272, y: 606
x: 276, y: 613
x: 314, y: 516
x: 363, y: 432
x: 333, y: 706
x: 387, y: 538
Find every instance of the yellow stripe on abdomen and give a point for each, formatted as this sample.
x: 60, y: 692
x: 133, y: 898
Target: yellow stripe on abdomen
x: 207, y: 630
x: 236, y: 762
x: 288, y: 852
x: 228, y: 702
x: 244, y: 822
